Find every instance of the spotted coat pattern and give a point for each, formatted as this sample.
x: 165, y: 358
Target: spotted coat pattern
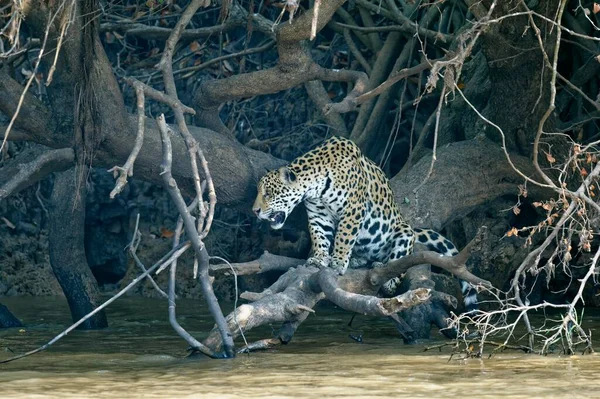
x: 351, y: 210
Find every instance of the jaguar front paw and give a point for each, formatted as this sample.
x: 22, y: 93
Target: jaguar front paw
x: 339, y: 266
x: 318, y: 261
x: 377, y: 265
x: 357, y: 263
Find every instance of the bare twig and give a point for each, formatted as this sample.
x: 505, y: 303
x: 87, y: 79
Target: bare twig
x: 192, y: 233
x: 267, y: 46
x: 127, y: 170
x: 195, y: 344
x: 133, y: 246
x: 168, y: 258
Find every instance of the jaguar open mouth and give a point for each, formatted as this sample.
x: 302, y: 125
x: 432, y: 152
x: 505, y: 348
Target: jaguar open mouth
x: 277, y: 219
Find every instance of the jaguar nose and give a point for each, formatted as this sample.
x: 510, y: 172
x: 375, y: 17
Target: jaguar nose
x: 256, y: 211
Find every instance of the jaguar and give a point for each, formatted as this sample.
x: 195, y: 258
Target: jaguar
x: 353, y: 218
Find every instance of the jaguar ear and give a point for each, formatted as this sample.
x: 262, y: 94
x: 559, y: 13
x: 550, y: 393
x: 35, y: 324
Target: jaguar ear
x: 286, y: 175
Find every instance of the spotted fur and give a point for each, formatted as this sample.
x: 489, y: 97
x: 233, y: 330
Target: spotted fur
x: 351, y: 210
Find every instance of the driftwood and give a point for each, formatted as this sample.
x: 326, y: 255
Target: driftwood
x: 294, y: 295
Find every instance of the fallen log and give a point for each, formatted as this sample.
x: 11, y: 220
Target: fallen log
x: 294, y: 295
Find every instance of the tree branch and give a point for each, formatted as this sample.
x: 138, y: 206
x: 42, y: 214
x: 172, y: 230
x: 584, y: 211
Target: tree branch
x: 34, y: 119
x: 297, y: 291
x: 367, y: 304
x: 24, y: 172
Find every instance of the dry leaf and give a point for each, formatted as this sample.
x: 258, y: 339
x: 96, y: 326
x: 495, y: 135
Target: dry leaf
x: 596, y: 8
x: 587, y: 247
x: 550, y: 158
x: 583, y: 172
x: 512, y: 232
x: 516, y: 210
x: 522, y: 191
x: 194, y: 46
x: 166, y: 233
x: 537, y: 204
x: 548, y: 206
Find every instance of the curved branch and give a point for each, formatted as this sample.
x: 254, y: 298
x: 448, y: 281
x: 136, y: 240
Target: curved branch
x: 199, y: 248
x: 351, y: 105
x: 282, y: 77
x: 266, y: 263
x: 360, y: 80
x: 453, y: 264
x: 367, y: 304
x: 319, y: 96
x: 21, y: 175
x: 295, y: 67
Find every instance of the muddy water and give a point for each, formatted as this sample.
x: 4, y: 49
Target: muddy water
x: 140, y: 356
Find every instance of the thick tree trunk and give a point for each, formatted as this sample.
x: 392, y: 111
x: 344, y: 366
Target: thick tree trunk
x: 67, y: 253
x: 465, y: 175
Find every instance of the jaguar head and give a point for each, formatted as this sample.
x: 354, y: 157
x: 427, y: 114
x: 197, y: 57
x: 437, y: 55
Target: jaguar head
x: 279, y: 191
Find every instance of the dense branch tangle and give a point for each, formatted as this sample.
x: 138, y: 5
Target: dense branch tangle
x: 418, y: 39
x: 572, y: 214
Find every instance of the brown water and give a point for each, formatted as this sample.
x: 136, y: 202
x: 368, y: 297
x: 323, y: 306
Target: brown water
x: 140, y: 356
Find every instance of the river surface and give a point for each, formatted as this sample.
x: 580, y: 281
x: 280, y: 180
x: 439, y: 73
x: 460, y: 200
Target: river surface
x: 140, y: 356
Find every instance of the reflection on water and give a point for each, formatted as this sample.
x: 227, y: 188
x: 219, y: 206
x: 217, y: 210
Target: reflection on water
x: 140, y: 356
